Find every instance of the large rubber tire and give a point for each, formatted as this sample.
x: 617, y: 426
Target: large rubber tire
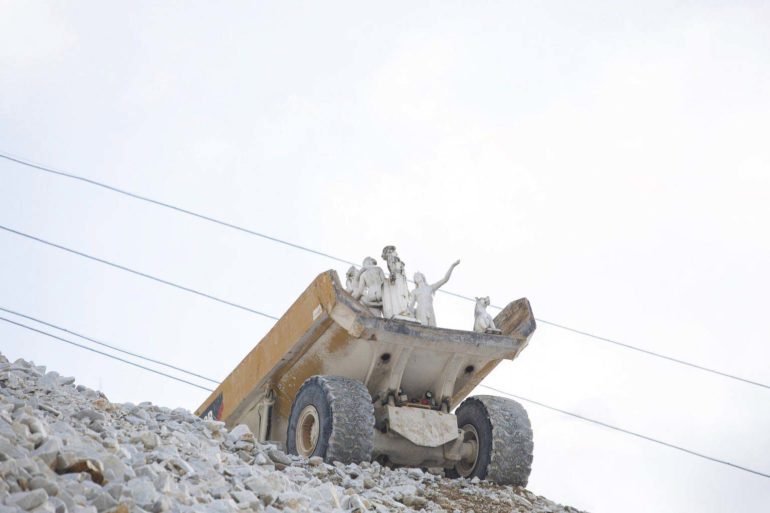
x: 345, y: 417
x: 503, y: 437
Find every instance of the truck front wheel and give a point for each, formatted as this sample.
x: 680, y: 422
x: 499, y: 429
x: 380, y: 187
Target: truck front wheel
x: 497, y: 440
x: 332, y: 417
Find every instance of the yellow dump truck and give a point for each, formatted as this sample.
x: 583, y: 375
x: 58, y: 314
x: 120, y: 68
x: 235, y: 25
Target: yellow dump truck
x: 334, y: 380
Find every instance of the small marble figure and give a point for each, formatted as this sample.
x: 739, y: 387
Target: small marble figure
x: 395, y: 293
x: 369, y: 285
x: 351, y: 282
x: 484, y: 322
x: 422, y: 295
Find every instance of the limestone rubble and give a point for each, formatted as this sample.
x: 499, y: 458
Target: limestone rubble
x: 65, y: 448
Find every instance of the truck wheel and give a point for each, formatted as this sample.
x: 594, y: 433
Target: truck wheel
x: 498, y: 441
x: 332, y: 417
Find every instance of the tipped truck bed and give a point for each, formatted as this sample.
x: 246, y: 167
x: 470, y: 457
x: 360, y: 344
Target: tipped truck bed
x: 327, y: 332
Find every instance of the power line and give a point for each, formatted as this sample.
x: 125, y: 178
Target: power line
x: 257, y: 312
x: 633, y: 348
x: 627, y: 432
x: 104, y: 354
x: 652, y: 353
x: 174, y: 207
x: 107, y: 345
x: 138, y: 273
x: 532, y: 401
x: 345, y: 261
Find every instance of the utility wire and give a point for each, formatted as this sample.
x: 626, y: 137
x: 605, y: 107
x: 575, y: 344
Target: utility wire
x: 104, y: 354
x: 652, y: 353
x: 173, y: 207
x: 493, y: 389
x: 65, y: 330
x: 345, y: 261
x: 235, y: 305
x: 629, y: 346
x: 342, y: 260
x: 627, y: 432
x: 138, y: 273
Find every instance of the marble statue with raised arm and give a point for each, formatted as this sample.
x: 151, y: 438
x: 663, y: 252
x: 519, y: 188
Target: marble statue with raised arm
x: 369, y: 285
x: 421, y: 298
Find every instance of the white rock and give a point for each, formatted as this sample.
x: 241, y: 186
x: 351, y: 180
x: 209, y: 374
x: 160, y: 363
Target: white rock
x: 240, y: 432
x: 142, y: 490
x: 179, y: 466
x: 246, y: 498
x: 415, y: 473
x: 261, y: 459
x: 58, y: 505
x: 279, y: 457
x: 84, y: 509
x: 221, y: 506
x: 148, y: 439
x: 40, y: 482
x: 103, y: 502
x: 325, y: 494
x: 400, y: 491
x: 34, y: 424
x: 161, y: 505
x: 48, y: 451
x: 27, y: 500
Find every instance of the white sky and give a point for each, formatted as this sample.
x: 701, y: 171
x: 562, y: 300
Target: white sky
x: 608, y: 160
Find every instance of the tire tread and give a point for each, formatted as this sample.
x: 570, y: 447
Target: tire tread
x: 352, y: 416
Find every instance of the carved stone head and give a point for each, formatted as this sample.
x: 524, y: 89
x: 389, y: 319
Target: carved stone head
x: 388, y: 250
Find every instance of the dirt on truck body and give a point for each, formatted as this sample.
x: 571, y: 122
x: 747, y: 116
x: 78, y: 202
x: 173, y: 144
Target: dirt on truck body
x: 332, y: 379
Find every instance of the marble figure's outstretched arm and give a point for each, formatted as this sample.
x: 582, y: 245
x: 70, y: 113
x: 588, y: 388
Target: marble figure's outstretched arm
x: 445, y: 279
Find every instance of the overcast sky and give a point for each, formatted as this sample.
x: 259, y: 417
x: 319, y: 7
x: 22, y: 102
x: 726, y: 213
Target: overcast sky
x: 608, y: 160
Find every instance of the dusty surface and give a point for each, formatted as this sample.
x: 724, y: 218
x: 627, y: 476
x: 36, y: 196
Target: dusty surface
x: 66, y: 449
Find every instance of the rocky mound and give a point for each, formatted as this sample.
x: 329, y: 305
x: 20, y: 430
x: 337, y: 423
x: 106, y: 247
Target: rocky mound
x: 65, y: 448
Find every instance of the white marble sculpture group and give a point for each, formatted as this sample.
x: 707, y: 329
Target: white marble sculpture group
x: 389, y: 295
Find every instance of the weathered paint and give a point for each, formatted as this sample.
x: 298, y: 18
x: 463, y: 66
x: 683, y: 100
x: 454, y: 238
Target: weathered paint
x: 290, y: 335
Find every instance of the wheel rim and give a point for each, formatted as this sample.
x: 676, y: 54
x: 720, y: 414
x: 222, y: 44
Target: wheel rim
x: 467, y: 464
x: 306, y: 436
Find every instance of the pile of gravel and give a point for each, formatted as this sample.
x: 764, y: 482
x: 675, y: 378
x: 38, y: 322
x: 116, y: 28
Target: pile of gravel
x: 65, y: 448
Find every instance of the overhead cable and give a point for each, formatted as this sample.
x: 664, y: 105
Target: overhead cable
x: 104, y: 354
x: 172, y: 207
x: 269, y: 316
x: 104, y: 344
x: 652, y: 353
x: 138, y: 273
x: 627, y: 432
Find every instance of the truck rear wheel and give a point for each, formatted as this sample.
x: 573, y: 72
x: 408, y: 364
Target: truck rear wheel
x: 498, y: 441
x: 332, y: 417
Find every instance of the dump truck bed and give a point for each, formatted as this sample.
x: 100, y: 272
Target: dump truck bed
x: 327, y: 332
